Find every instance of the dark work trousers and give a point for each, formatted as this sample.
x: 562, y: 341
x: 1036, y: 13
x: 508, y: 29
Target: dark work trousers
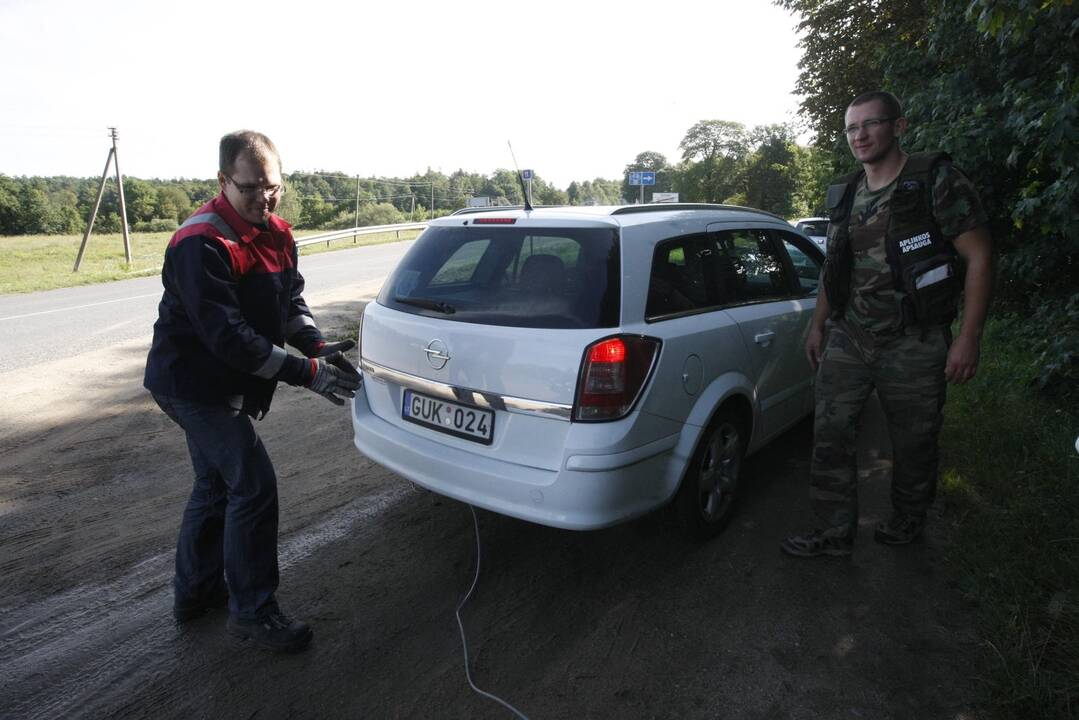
x: 229, y: 527
x: 907, y: 371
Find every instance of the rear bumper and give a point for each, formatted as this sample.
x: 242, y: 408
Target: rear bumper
x: 587, y: 492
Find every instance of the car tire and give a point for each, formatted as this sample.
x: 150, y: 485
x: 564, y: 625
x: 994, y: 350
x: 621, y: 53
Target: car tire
x: 708, y: 494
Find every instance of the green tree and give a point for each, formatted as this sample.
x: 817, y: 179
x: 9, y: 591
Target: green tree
x: 573, y: 193
x: 140, y: 200
x: 595, y: 192
x: 603, y: 192
x: 996, y: 84
x: 172, y: 202
x: 33, y: 215
x: 713, y: 155
x: 543, y: 193
x: 9, y: 206
x: 812, y: 173
x: 770, y: 173
x: 504, y: 188
x: 63, y: 210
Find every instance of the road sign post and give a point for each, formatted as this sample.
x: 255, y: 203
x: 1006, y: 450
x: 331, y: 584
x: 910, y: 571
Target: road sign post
x: 527, y: 175
x: 642, y: 178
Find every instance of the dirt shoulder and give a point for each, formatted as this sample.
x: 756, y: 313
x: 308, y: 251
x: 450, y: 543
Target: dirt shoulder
x: 630, y: 622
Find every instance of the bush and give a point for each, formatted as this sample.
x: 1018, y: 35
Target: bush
x: 379, y: 214
x: 156, y: 225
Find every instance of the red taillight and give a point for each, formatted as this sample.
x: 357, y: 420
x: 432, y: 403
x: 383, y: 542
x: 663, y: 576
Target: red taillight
x: 612, y: 376
x: 494, y: 221
x: 608, y: 351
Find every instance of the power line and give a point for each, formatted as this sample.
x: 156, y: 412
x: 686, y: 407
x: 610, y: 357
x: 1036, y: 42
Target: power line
x: 330, y: 198
x: 352, y: 178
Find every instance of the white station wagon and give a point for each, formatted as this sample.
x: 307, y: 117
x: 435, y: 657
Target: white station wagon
x: 580, y: 366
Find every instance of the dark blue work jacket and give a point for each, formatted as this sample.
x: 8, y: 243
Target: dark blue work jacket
x: 232, y: 296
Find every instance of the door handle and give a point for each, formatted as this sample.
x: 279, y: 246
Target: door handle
x: 764, y: 338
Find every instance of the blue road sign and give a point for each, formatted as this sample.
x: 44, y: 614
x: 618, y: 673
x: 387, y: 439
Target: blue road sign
x: 526, y: 174
x: 635, y: 178
x: 648, y: 178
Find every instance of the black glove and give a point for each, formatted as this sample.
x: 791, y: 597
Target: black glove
x: 334, y: 375
x: 329, y: 348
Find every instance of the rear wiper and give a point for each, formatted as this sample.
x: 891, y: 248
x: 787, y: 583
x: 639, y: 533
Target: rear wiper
x: 427, y: 304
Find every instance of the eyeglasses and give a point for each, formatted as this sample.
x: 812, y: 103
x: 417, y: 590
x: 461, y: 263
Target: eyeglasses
x: 267, y: 191
x: 869, y: 125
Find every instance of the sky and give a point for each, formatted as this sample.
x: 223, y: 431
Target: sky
x: 383, y: 89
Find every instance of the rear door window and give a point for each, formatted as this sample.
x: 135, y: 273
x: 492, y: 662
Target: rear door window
x: 513, y: 276
x: 752, y: 266
x: 677, y: 283
x: 695, y: 273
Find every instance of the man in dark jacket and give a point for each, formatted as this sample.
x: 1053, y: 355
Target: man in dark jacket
x: 233, y: 297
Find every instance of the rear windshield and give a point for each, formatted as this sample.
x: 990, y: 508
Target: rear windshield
x: 518, y: 277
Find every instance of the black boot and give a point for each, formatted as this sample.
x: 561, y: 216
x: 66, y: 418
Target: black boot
x: 273, y: 630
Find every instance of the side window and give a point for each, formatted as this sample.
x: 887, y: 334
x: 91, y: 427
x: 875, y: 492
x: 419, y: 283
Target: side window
x: 804, y: 262
x: 677, y: 281
x: 748, y: 267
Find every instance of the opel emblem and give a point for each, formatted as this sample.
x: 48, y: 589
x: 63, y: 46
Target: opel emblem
x: 436, y: 354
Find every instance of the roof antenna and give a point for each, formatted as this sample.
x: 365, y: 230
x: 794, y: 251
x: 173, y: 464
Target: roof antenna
x: 524, y: 191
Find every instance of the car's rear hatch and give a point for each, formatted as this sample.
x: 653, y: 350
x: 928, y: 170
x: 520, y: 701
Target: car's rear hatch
x: 477, y: 337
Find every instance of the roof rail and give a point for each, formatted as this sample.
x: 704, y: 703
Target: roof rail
x: 489, y: 208
x: 496, y: 208
x: 660, y: 207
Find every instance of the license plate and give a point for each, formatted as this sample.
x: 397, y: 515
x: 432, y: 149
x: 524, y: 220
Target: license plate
x: 463, y: 421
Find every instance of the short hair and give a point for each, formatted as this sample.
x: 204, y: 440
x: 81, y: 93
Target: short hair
x: 891, y: 103
x: 258, y: 145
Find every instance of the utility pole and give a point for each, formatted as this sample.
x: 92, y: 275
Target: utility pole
x: 357, y: 201
x: 432, y: 199
x: 413, y: 208
x: 112, y: 158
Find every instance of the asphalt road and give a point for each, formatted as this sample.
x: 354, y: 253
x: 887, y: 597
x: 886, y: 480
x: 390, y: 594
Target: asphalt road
x: 56, y: 324
x: 629, y: 622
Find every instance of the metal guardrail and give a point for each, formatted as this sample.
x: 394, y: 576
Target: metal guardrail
x: 356, y: 232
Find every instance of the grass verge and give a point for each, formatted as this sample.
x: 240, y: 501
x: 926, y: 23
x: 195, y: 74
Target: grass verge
x: 1010, y: 467
x: 44, y: 262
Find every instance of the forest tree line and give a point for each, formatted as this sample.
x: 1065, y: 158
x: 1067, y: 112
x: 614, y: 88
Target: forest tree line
x: 721, y: 161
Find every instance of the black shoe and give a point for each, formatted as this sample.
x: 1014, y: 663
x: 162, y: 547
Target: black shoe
x: 187, y: 610
x: 900, y: 530
x: 273, y: 630
x: 818, y: 543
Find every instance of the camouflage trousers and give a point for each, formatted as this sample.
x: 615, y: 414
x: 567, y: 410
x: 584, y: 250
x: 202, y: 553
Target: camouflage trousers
x: 907, y: 371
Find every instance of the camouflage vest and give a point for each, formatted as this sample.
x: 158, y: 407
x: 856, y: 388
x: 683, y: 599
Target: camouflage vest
x: 922, y: 262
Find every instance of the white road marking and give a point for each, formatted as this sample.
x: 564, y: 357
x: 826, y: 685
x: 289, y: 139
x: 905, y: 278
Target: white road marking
x: 79, y: 307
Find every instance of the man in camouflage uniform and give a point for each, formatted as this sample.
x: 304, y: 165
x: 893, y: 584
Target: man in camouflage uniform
x: 890, y: 322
